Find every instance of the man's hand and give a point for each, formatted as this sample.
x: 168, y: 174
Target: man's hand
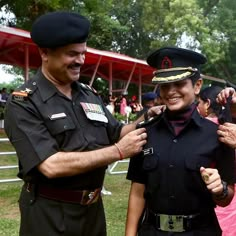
x: 132, y: 143
x: 227, y: 134
x: 156, y: 110
x: 224, y: 94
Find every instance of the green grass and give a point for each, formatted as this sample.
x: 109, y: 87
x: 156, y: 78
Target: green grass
x: 115, y: 205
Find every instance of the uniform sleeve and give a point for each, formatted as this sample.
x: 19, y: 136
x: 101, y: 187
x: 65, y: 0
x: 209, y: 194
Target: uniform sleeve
x: 114, y: 126
x: 135, y: 170
x: 28, y: 134
x: 226, y: 164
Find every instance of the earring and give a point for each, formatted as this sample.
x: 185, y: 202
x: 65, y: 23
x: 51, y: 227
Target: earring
x: 206, y: 112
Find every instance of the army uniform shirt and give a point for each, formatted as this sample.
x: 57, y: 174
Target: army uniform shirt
x: 170, y: 166
x: 46, y: 122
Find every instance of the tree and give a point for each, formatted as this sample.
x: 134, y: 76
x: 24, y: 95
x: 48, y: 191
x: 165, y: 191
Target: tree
x: 136, y: 27
x: 221, y: 19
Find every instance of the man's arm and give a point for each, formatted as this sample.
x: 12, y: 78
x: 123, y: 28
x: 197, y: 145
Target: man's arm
x: 222, y: 99
x: 63, y: 164
x: 154, y: 111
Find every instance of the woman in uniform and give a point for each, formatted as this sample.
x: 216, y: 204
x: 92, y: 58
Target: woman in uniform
x: 184, y: 171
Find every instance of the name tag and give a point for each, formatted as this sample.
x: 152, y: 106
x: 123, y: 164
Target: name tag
x: 57, y: 116
x: 147, y: 151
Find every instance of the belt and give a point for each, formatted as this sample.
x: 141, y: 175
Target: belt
x: 176, y: 223
x: 83, y: 197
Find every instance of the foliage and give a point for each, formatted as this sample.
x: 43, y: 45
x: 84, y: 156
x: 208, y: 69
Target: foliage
x: 120, y: 117
x: 136, y: 27
x: 19, y: 79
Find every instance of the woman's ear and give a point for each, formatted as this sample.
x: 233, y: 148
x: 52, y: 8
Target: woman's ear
x: 208, y: 103
x: 198, y: 86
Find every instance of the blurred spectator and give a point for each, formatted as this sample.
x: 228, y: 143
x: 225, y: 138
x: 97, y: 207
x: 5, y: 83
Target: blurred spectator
x: 135, y: 105
x: 123, y: 103
x: 4, y: 94
x: 111, y: 104
x: 208, y: 107
x: 148, y: 101
x: 3, y: 97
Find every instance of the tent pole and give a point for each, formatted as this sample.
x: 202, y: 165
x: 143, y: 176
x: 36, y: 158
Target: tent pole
x: 130, y: 77
x: 140, y: 86
x: 26, y: 62
x: 110, y: 78
x: 95, y: 71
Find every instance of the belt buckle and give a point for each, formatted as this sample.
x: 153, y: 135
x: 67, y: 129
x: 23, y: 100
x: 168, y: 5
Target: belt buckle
x: 89, y: 197
x: 171, y: 223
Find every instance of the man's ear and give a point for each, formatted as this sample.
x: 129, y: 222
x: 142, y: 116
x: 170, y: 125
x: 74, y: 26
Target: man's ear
x: 198, y: 86
x: 43, y: 53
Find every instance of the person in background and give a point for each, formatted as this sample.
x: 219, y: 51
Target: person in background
x: 64, y: 136
x: 123, y: 103
x: 3, y: 96
x: 184, y: 171
x: 208, y: 107
x: 111, y: 104
x: 227, y: 132
x: 148, y: 101
x: 135, y: 105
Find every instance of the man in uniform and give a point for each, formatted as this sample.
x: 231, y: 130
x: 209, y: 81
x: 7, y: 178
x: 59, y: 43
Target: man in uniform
x: 64, y: 136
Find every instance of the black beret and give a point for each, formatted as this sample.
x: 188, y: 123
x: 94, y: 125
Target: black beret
x: 149, y: 96
x: 57, y: 29
x: 174, y: 64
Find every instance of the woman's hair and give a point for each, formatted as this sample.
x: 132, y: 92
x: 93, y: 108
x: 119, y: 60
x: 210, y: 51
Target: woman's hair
x: 211, y: 94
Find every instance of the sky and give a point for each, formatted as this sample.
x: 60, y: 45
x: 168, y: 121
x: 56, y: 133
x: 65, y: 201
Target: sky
x: 4, y: 77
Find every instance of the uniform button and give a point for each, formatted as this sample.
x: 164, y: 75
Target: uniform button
x: 73, y: 103
x: 34, y: 83
x: 172, y: 197
x: 175, y: 140
x: 171, y: 166
x: 65, y: 126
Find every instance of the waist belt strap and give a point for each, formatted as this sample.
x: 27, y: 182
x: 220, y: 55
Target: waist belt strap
x: 177, y: 223
x: 83, y: 197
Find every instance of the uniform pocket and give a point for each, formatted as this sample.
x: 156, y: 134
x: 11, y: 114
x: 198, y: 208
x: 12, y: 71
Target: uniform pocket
x: 60, y: 125
x: 150, y: 161
x: 193, y: 179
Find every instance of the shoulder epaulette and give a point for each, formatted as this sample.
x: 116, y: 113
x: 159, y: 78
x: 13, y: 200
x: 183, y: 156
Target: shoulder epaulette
x: 22, y: 93
x: 86, y: 86
x: 150, y: 122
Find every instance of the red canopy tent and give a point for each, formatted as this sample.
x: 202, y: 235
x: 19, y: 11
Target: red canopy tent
x: 18, y: 49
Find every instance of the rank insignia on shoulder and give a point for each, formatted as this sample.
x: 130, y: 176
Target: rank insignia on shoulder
x: 89, y: 88
x: 152, y: 120
x: 19, y: 96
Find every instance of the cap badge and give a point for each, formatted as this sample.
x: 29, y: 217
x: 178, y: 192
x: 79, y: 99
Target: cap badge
x: 166, y: 63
